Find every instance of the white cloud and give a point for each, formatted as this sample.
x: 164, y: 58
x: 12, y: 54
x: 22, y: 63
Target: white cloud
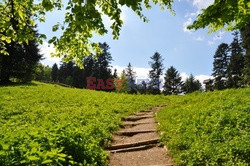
x: 202, y: 4
x: 199, y: 38
x: 184, y: 76
x: 186, y: 24
x: 46, y: 51
x: 201, y: 78
x: 192, y: 15
x: 141, y: 73
x: 210, y: 43
x: 218, y: 36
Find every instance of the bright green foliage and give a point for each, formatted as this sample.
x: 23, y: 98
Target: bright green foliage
x: 52, y: 125
x: 208, y: 128
x: 81, y: 21
x: 231, y: 14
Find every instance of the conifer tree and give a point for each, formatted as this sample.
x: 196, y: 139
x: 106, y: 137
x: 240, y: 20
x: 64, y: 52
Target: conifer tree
x: 115, y: 74
x: 191, y: 85
x: 101, y: 66
x: 173, y: 83
x: 54, y: 73
x: 154, y: 74
x: 220, y: 66
x: 130, y: 78
x: 20, y: 62
x: 245, y: 33
x: 236, y: 65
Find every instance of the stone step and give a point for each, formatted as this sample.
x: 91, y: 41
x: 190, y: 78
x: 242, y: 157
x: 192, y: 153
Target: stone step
x: 135, y: 144
x: 131, y: 133
x: 132, y: 149
x: 135, y: 118
x: 129, y: 124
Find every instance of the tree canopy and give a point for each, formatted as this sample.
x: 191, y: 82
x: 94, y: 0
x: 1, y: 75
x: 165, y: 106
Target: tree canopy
x: 231, y: 15
x: 83, y: 19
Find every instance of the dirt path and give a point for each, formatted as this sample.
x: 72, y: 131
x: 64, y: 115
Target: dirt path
x: 137, y: 143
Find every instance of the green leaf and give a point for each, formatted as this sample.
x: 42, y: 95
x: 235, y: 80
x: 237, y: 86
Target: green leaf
x: 33, y: 158
x: 55, y: 27
x: 47, y: 161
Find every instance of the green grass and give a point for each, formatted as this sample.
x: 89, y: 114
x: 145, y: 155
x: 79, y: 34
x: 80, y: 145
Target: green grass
x: 43, y: 124
x: 208, y: 129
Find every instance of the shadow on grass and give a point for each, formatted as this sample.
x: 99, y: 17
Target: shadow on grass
x: 13, y: 84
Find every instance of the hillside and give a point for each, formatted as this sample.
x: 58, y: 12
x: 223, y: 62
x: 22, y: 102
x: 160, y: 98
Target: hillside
x: 44, y: 124
x: 49, y: 124
x: 210, y: 128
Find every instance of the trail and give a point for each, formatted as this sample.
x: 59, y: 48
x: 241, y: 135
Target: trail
x: 137, y: 143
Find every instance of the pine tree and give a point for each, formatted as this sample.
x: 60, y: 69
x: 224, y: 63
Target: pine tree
x: 191, y: 85
x: 245, y: 33
x: 220, y: 69
x: 101, y: 67
x: 130, y: 78
x: 115, y: 74
x: 142, y: 88
x: 173, y: 83
x: 20, y: 62
x: 54, y: 73
x: 154, y: 74
x: 78, y: 77
x: 236, y: 64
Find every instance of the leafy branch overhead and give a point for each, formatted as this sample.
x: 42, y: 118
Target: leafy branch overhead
x: 231, y: 15
x: 81, y: 21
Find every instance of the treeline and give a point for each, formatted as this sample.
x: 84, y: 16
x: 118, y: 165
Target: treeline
x: 231, y: 70
x: 98, y: 69
x: 230, y: 66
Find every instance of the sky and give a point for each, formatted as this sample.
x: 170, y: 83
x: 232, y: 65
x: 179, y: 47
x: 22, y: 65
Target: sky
x: 188, y: 51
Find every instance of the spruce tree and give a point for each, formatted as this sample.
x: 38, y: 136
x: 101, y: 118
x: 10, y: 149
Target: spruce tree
x: 245, y: 33
x: 236, y: 64
x: 54, y: 73
x: 130, y: 78
x: 191, y: 85
x: 20, y: 62
x: 115, y: 74
x: 154, y: 74
x: 173, y: 83
x: 78, y: 77
x: 101, y: 66
x: 88, y: 64
x: 220, y: 66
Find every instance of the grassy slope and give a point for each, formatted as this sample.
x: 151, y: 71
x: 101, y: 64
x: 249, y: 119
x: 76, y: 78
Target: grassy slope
x: 210, y: 128
x: 48, y: 124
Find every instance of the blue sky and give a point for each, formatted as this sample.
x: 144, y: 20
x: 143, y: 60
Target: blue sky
x: 190, y: 52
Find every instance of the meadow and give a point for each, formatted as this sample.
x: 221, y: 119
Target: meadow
x: 210, y: 128
x: 45, y: 124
